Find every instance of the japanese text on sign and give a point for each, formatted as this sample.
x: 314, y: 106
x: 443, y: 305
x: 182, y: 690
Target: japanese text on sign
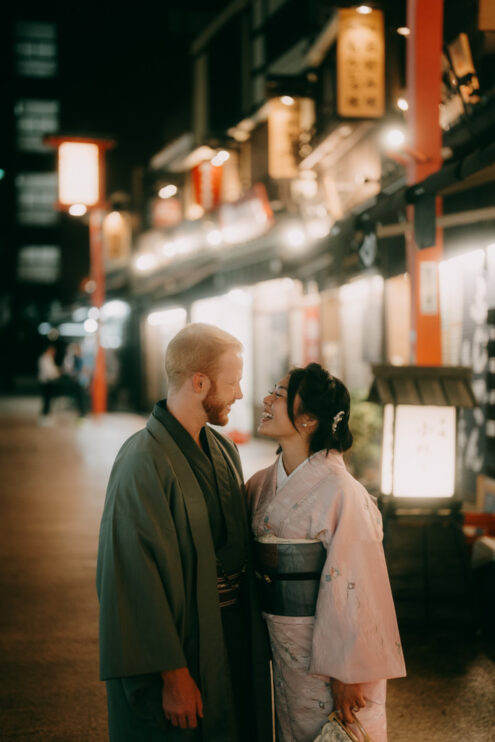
x: 360, y: 64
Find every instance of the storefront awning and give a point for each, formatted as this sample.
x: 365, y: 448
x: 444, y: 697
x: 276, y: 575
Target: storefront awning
x: 445, y: 180
x: 422, y: 385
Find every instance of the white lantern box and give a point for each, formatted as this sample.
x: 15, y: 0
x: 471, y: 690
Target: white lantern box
x: 420, y: 432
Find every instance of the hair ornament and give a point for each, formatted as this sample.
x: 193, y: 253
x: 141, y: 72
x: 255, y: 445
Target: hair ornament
x: 337, y: 418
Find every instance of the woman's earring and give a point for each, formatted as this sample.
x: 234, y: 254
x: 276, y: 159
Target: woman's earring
x: 305, y: 425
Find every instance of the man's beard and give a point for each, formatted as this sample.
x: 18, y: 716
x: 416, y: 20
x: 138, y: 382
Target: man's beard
x: 215, y: 410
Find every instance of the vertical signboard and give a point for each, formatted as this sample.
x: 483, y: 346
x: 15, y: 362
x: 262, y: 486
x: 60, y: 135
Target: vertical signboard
x: 117, y: 238
x: 207, y: 183
x: 486, y: 15
x: 428, y: 287
x: 283, y: 133
x: 360, y: 64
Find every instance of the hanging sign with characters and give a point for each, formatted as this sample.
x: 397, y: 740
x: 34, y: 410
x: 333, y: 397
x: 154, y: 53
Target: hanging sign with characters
x: 360, y: 64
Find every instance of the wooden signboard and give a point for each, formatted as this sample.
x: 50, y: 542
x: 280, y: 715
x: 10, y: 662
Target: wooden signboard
x: 360, y: 64
x: 283, y: 132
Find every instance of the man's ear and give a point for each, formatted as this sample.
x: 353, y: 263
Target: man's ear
x: 200, y: 383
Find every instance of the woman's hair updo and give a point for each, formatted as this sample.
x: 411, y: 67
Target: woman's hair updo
x: 325, y: 398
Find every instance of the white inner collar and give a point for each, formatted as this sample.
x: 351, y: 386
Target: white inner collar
x: 282, y: 476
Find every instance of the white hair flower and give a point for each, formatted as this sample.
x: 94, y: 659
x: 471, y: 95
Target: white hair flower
x: 337, y: 418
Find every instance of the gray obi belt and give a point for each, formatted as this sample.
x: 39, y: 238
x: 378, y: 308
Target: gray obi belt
x: 289, y: 576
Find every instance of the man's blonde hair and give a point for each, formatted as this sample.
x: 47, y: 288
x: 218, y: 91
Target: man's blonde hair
x: 197, y: 348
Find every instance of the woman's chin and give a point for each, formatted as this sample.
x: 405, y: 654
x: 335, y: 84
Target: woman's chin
x: 262, y: 430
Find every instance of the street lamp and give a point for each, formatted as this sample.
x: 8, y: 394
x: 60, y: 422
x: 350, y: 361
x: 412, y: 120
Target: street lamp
x: 81, y: 183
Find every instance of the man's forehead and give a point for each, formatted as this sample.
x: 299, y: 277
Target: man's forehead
x: 231, y: 358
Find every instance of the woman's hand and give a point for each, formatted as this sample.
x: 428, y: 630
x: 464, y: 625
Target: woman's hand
x: 347, y: 698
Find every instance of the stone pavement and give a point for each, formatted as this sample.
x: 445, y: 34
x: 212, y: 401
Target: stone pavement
x: 51, y: 497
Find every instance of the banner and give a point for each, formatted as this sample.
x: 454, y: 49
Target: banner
x: 360, y: 64
x: 207, y: 184
x: 283, y: 134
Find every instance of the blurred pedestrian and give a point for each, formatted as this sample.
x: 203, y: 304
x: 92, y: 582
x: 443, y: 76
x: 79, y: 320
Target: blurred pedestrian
x: 49, y: 375
x: 182, y: 644
x: 76, y: 377
x: 331, y: 621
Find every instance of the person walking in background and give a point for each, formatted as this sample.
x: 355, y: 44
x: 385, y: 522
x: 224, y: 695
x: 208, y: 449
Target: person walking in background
x: 49, y: 377
x: 76, y: 378
x: 183, y: 648
x: 331, y: 619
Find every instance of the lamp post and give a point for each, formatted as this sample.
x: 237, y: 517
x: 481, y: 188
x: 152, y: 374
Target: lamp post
x: 81, y: 183
x: 424, y: 75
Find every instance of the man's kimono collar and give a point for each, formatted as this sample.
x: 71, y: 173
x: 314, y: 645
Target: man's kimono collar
x: 236, y: 534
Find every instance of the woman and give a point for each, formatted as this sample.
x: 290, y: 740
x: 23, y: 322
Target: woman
x: 334, y: 634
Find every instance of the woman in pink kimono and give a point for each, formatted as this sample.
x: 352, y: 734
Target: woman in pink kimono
x: 326, y: 595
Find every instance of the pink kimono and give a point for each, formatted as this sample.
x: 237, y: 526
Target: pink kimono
x: 354, y: 635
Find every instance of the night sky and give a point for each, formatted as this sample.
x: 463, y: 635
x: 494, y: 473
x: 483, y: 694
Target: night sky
x: 125, y: 73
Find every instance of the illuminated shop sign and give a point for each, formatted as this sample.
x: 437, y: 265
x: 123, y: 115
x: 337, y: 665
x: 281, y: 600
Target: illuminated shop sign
x: 360, y: 64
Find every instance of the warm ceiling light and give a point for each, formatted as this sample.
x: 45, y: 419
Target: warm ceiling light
x: 295, y: 237
x: 91, y: 325
x: 402, y: 104
x: 77, y: 210
x: 195, y: 211
x: 394, y: 138
x: 287, y: 100
x: 404, y: 31
x: 364, y: 9
x: 167, y: 191
x: 214, y: 237
x: 145, y: 262
x: 220, y: 158
x: 113, y: 222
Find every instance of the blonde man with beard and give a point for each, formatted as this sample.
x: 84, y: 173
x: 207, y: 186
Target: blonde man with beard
x: 182, y: 645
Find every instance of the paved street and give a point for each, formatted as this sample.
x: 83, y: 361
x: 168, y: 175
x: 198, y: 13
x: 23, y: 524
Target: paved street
x: 53, y: 486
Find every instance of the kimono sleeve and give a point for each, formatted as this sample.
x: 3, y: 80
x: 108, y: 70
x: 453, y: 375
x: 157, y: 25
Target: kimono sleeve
x: 139, y: 578
x: 356, y: 638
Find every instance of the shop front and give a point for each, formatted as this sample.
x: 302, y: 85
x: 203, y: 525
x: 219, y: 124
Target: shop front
x: 277, y: 323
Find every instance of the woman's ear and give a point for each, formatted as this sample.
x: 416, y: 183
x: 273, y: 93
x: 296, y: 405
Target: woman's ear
x: 309, y: 423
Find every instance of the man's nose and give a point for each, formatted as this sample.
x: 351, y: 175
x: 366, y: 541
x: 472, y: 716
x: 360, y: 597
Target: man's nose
x: 238, y: 392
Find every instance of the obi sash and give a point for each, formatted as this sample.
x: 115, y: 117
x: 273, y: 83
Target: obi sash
x: 289, y: 576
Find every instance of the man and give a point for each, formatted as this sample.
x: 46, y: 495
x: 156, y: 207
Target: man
x: 182, y: 645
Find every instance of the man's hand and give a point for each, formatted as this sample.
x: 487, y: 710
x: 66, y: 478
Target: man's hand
x: 347, y: 698
x: 181, y: 699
